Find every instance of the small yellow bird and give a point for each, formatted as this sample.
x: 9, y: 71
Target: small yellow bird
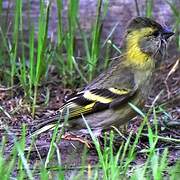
x: 105, y: 101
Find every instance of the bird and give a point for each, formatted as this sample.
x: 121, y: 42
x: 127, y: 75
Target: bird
x: 105, y: 102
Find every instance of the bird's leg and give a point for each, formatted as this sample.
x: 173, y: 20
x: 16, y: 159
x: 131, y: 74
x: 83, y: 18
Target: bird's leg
x: 73, y: 137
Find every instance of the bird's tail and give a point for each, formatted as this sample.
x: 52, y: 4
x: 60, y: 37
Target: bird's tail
x: 44, y: 125
x: 58, y: 120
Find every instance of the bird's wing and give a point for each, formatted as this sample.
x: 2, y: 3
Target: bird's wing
x: 94, y: 100
x: 86, y: 102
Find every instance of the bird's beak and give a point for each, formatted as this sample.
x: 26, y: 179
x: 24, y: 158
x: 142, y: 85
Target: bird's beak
x: 167, y: 33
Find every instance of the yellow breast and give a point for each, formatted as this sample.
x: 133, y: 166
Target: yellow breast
x: 134, y: 54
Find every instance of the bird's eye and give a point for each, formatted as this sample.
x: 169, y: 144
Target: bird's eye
x: 155, y: 33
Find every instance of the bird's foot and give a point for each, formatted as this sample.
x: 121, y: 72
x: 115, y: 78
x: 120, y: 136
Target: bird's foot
x: 72, y: 137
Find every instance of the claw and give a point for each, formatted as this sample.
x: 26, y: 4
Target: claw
x: 72, y: 137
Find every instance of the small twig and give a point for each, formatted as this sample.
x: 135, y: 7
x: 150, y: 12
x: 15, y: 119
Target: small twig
x: 172, y: 100
x: 110, y: 34
x: 156, y: 98
x: 65, y: 168
x: 5, y: 112
x: 39, y: 155
x: 173, y: 123
x: 118, y: 131
x: 7, y: 88
x: 167, y: 88
x: 78, y: 70
x: 173, y: 69
x: 166, y: 139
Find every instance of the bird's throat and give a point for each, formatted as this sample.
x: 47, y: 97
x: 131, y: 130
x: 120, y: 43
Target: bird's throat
x: 134, y: 55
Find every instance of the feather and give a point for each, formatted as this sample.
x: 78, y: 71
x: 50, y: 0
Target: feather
x: 86, y: 102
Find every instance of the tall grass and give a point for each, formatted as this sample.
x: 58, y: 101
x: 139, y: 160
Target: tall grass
x: 92, y: 45
x: 69, y: 39
x: 93, y: 51
x: 13, y: 51
x: 66, y: 40
x: 29, y: 73
x: 1, y: 3
x: 42, y: 60
x: 114, y: 162
x: 149, y: 8
x: 95, y: 41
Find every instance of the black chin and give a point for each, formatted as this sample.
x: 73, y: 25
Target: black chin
x: 163, y: 47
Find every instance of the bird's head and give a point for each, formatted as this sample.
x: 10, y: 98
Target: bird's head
x: 145, y: 39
